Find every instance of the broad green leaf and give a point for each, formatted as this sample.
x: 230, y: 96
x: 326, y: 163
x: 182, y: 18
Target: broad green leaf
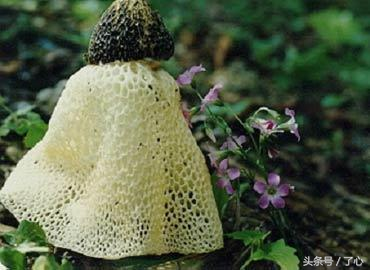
x: 12, y: 259
x: 4, y: 131
x: 243, y: 188
x: 49, y: 263
x: 45, y: 263
x: 66, y: 265
x: 26, y: 232
x: 249, y: 237
x: 10, y: 122
x: 278, y: 252
x: 337, y: 27
x: 21, y: 126
x: 2, y: 100
x: 34, y: 117
x: 35, y: 134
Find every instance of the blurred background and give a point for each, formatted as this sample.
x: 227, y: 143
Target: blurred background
x: 310, y: 55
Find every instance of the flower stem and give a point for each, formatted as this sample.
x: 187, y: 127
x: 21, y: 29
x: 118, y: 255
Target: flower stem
x: 6, y: 108
x: 237, y: 210
x: 256, y: 148
x: 279, y: 222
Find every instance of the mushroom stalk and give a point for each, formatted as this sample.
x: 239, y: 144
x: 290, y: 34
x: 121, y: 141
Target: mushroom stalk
x: 119, y: 173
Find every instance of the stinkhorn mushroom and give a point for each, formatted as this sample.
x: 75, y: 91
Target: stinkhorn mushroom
x: 119, y: 173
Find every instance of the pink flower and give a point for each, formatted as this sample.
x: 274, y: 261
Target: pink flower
x: 266, y: 127
x: 291, y: 124
x: 187, y: 77
x: 272, y: 192
x: 233, y: 143
x: 211, y: 96
x: 186, y: 113
x: 225, y: 173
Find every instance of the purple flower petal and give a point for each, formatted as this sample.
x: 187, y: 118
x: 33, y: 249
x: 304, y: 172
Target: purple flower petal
x: 294, y: 130
x: 233, y: 173
x: 225, y: 183
x: 292, y: 124
x: 213, y: 93
x: 283, y: 190
x: 259, y: 187
x: 263, y: 202
x: 224, y: 164
x: 222, y: 182
x: 278, y: 202
x: 273, y: 179
x: 225, y: 146
x: 230, y: 142
x: 211, y: 96
x: 242, y: 139
x: 184, y: 79
x: 270, y: 124
x: 289, y: 112
x: 266, y: 127
x: 187, y: 77
x: 228, y: 145
x: 229, y: 189
x: 197, y: 69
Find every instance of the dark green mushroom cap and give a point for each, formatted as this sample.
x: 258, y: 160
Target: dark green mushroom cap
x: 129, y: 30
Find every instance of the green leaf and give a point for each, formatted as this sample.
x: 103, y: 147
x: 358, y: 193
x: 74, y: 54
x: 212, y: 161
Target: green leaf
x: 45, y: 263
x: 26, y: 232
x: 35, y: 134
x: 337, y: 27
x: 12, y: 259
x: 2, y: 100
x: 4, y: 131
x: 356, y: 77
x: 264, y: 49
x: 21, y: 126
x: 25, y: 110
x: 209, y: 133
x: 278, y: 252
x: 34, y: 117
x: 66, y: 265
x: 221, y: 197
x: 333, y: 100
x: 249, y: 237
x: 310, y: 64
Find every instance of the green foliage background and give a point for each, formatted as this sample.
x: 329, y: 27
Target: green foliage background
x: 311, y: 55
